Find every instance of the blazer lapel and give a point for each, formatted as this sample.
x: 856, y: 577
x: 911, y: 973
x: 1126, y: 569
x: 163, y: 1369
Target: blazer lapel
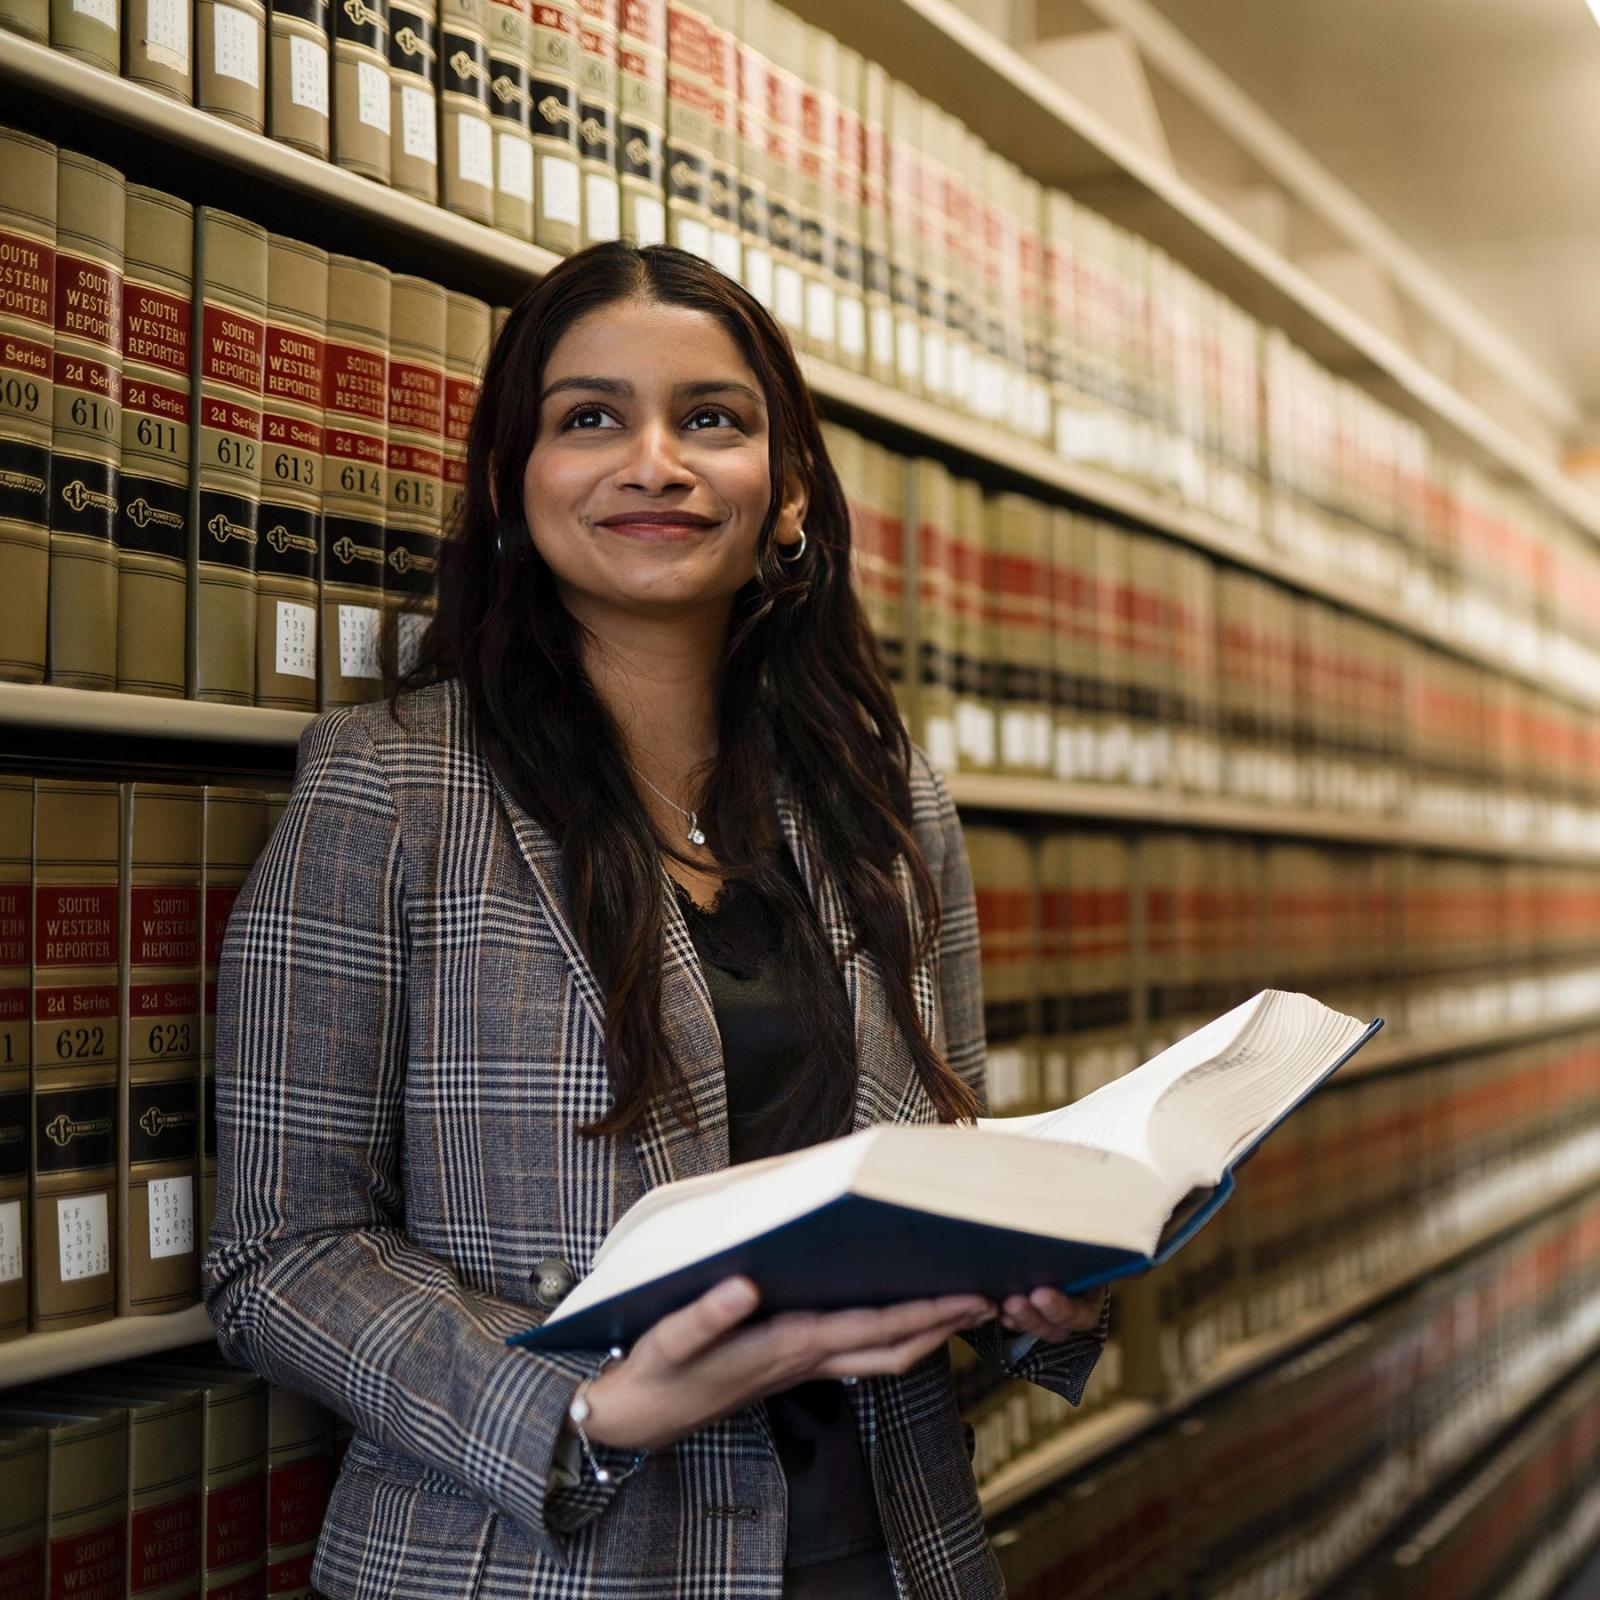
x: 665, y: 1147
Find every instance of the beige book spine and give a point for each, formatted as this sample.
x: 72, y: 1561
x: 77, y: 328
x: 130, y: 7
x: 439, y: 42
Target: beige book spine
x: 642, y: 122
x: 876, y: 235
x: 24, y: 1523
x: 848, y: 179
x: 234, y: 823
x: 414, y: 98
x: 693, y: 107
x: 292, y: 445
x: 721, y: 19
x: 816, y: 159
x: 91, y: 30
x: 599, y: 58
x: 300, y: 75
x: 16, y: 928
x: 467, y: 331
x: 935, y: 516
x: 299, y: 1480
x: 231, y: 291
x: 159, y: 1101
x: 904, y: 186
x: 230, y: 61
x: 1020, y: 591
x: 27, y: 368
x: 466, y: 167
x: 557, y: 184
x: 927, y: 221
x: 414, y: 519
x: 511, y: 115
x: 153, y: 497
x: 971, y: 633
x: 754, y: 202
x: 354, y: 479
x: 362, y: 99
x: 157, y: 48
x: 779, y: 36
x: 77, y: 883
x: 30, y: 18
x: 1052, y: 868
x: 87, y: 436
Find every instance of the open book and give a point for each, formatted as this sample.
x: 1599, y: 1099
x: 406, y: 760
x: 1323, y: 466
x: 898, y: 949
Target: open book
x: 1101, y: 1189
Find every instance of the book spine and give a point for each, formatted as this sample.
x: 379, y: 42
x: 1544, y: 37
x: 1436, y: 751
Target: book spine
x: 754, y: 201
x: 75, y: 1049
x: 927, y: 221
x: 354, y: 492
x: 156, y: 47
x: 721, y: 55
x: 30, y: 18
x: 414, y: 98
x: 89, y: 30
x: 231, y: 291
x: 467, y: 328
x: 599, y: 67
x: 466, y: 177
x: 230, y: 47
x: 164, y: 1487
x: 848, y: 178
x: 24, y: 1524
x: 361, y: 93
x: 876, y: 235
x: 153, y: 499
x: 290, y: 550
x: 974, y: 714
x: 557, y: 187
x: 16, y: 927
x: 236, y: 1488
x: 234, y: 825
x: 1035, y: 343
x: 87, y: 437
x: 900, y: 127
x: 511, y: 116
x: 414, y: 518
x: 642, y: 121
x: 1022, y: 633
x: 817, y: 158
x: 780, y: 40
x: 27, y: 366
x: 160, y: 1081
x: 299, y: 98
x: 87, y: 1549
x: 935, y: 517
x: 299, y: 1480
x: 692, y: 107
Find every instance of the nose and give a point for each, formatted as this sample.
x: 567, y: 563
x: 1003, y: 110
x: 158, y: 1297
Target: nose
x: 657, y: 461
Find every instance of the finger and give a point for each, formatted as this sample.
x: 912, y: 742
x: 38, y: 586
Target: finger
x: 827, y: 1332
x: 683, y: 1335
x: 1077, y: 1313
x: 877, y: 1360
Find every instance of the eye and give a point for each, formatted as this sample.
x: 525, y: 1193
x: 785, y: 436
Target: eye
x: 600, y: 411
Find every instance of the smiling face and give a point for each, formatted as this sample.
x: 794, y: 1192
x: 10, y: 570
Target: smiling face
x: 649, y: 410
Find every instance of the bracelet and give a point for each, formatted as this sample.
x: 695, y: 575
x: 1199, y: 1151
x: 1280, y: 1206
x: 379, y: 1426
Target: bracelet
x: 578, y: 1414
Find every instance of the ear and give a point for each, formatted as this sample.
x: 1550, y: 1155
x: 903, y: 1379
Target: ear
x: 791, y: 513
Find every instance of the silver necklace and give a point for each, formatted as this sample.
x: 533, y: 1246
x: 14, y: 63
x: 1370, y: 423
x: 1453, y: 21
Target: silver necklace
x: 695, y: 835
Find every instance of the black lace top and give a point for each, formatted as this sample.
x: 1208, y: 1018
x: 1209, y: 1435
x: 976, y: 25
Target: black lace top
x: 765, y: 1031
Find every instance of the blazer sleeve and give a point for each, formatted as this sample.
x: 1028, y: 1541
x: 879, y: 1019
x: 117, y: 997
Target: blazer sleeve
x: 1062, y: 1367
x: 310, y: 1278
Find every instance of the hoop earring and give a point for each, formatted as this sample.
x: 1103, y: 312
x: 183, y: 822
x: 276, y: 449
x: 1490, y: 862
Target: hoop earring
x: 800, y: 551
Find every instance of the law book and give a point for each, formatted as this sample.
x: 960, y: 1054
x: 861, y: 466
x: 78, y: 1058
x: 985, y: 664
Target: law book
x: 930, y: 637
x: 1051, y: 870
x: 1033, y: 371
x: 288, y: 556
x: 413, y: 518
x: 511, y: 115
x: 299, y: 1481
x: 299, y: 75
x: 557, y: 185
x: 599, y: 59
x: 157, y: 48
x: 355, y: 395
x: 1102, y: 960
x: 362, y: 116
x: 817, y: 158
x: 466, y: 142
x: 974, y: 648
x: 27, y: 367
x: 754, y: 208
x: 1006, y: 893
x: 85, y: 1482
x: 235, y: 831
x: 162, y: 1534
x: 876, y: 277
x: 24, y: 1511
x: 90, y: 30
x: 30, y: 18
x: 159, y: 1088
x: 693, y: 108
x: 848, y: 177
x: 1105, y: 1188
x: 466, y: 348
x: 933, y: 265
x: 87, y: 435
x: 77, y: 838
x: 1020, y: 594
x: 642, y: 121
x: 901, y: 122
x: 230, y: 274
x: 16, y: 944
x: 985, y: 176
x: 775, y: 33
x: 414, y: 98
x: 153, y: 499
x: 230, y: 61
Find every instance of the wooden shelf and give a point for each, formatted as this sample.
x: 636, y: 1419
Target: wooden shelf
x: 1388, y: 1057
x: 1080, y: 1445
x: 28, y: 705
x: 341, y: 210
x: 44, y: 1355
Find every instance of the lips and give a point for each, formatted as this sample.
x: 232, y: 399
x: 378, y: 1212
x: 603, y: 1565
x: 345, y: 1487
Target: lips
x: 658, y: 526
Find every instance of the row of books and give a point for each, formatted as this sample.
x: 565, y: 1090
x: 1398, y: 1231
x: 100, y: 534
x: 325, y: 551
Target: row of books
x: 174, y: 1475
x: 1281, y: 1482
x: 1100, y: 947
x: 1034, y: 640
x: 1369, y: 1178
x: 114, y: 899
x: 886, y: 237
x: 226, y: 451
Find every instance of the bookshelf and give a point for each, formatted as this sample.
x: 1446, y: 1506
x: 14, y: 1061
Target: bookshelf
x: 47, y: 1355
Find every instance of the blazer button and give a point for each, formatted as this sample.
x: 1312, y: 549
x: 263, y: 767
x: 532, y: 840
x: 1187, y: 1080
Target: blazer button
x: 552, y: 1281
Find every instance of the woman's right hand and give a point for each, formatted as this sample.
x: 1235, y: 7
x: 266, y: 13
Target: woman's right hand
x: 697, y: 1365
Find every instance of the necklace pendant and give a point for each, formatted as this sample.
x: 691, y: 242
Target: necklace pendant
x: 696, y: 835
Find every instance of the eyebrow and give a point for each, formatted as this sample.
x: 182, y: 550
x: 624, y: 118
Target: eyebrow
x: 624, y: 389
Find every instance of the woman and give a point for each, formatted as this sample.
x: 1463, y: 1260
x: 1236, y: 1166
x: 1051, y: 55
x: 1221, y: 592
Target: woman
x: 640, y: 876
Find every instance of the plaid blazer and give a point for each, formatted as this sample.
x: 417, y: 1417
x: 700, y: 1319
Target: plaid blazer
x: 408, y: 1038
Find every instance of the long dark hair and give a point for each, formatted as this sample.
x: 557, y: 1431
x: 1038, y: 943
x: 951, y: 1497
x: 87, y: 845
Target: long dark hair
x: 804, y: 693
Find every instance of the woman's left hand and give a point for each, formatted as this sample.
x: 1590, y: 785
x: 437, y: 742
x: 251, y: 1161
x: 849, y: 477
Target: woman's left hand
x: 1052, y: 1316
